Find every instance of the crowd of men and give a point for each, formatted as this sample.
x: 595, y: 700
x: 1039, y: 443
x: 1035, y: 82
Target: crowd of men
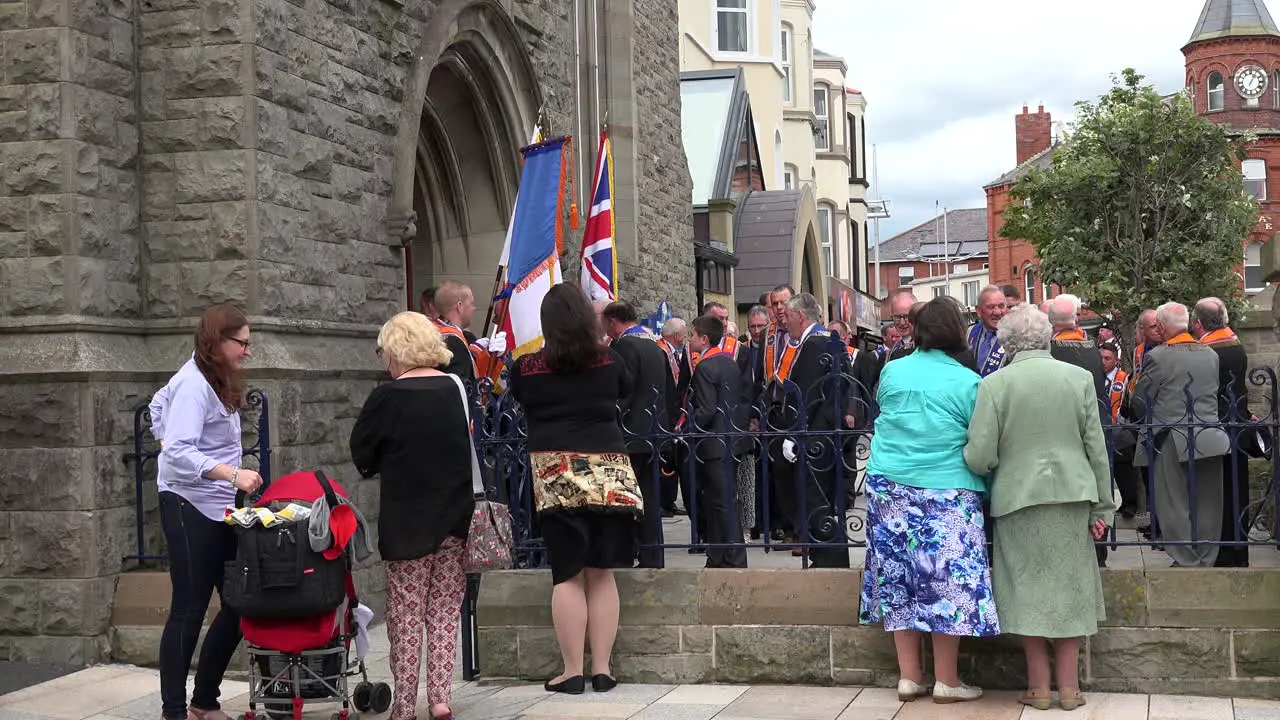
x: 699, y: 387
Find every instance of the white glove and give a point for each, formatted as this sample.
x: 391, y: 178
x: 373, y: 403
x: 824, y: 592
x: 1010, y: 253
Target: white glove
x: 498, y: 343
x: 789, y: 451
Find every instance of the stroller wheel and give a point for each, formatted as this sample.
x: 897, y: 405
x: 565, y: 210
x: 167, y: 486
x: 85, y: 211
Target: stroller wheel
x: 381, y: 698
x: 362, y: 696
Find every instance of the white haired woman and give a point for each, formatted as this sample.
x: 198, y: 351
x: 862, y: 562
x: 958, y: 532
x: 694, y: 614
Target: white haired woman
x: 1037, y: 433
x: 413, y: 432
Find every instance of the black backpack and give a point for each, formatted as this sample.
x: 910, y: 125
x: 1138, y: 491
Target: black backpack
x: 277, y: 575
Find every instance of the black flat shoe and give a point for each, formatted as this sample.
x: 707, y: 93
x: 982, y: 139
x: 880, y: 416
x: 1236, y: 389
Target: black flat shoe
x: 603, y: 683
x: 570, y: 686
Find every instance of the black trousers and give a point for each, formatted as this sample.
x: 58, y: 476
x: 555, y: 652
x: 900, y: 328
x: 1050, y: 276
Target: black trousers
x: 1130, y: 483
x: 783, y: 505
x: 650, y: 529
x: 198, y: 549
x: 819, y: 510
x: 1235, y: 498
x: 717, y: 512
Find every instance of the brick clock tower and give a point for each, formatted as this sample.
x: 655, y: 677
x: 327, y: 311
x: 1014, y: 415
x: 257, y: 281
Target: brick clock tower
x: 1233, y: 78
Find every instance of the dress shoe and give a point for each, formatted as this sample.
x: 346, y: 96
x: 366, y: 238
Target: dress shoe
x: 909, y: 690
x: 945, y: 694
x: 603, y: 683
x: 575, y: 685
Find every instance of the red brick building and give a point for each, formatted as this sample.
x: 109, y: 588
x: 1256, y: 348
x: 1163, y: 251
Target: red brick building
x: 921, y: 251
x: 1232, y: 77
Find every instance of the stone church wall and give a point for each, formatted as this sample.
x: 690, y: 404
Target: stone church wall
x: 160, y: 156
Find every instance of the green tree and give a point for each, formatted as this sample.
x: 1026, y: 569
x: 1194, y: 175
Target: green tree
x: 1144, y: 204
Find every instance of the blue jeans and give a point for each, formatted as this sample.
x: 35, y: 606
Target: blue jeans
x: 198, y: 549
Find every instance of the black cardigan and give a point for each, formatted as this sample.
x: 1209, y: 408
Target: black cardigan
x: 413, y: 432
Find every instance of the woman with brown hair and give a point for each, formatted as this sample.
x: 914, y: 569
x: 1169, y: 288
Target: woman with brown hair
x: 584, y: 489
x: 196, y: 418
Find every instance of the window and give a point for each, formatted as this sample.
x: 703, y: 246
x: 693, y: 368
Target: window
x: 784, y: 48
x: 731, y: 25
x: 970, y: 292
x: 1029, y: 285
x: 1275, y: 89
x: 1255, y: 178
x: 1217, y: 95
x: 715, y: 277
x: 961, y: 268
x: 1253, y: 268
x: 821, y: 129
x: 789, y: 178
x: 939, y: 291
x: 825, y: 215
x: 852, y: 140
x: 906, y: 274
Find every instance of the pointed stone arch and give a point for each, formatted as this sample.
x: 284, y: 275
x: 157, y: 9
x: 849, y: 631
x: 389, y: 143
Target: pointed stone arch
x: 470, y: 101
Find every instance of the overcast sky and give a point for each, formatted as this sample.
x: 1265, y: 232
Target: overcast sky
x: 944, y: 78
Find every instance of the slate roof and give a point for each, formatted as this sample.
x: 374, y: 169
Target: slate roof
x: 763, y: 241
x: 1233, y: 18
x: 966, y: 233
x: 1042, y: 160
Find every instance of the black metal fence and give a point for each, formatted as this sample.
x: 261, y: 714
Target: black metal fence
x: 806, y: 499
x: 146, y: 450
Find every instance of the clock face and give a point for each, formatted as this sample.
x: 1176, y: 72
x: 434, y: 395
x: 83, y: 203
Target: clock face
x: 1251, y: 81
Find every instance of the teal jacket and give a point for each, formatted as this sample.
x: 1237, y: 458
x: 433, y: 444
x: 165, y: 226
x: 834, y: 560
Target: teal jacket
x: 926, y: 400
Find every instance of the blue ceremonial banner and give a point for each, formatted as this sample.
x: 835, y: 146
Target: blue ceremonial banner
x: 538, y: 217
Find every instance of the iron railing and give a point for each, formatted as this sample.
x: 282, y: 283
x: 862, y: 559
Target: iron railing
x: 830, y: 461
x: 146, y: 450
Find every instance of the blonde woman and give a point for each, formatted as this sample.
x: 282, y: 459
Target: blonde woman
x: 414, y: 433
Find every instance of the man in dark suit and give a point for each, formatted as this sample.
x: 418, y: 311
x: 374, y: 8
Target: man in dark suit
x: 905, y: 307
x: 1071, y: 345
x: 644, y: 413
x: 768, y: 394
x: 1209, y: 323
x: 715, y: 405
x: 805, y: 361
x: 673, y: 343
x: 752, y: 369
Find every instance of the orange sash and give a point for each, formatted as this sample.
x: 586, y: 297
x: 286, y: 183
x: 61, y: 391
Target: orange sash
x: 448, y: 329
x: 694, y: 358
x: 1181, y: 338
x: 729, y: 345
x: 710, y: 354
x: 671, y: 357
x: 789, y: 354
x: 1069, y: 335
x: 1218, y: 336
x: 1118, y: 387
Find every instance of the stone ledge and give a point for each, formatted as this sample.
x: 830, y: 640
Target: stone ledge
x: 800, y: 627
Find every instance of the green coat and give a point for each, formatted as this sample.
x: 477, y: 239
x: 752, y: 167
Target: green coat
x: 1036, y: 432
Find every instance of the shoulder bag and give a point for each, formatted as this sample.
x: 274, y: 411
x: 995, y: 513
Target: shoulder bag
x: 489, y: 538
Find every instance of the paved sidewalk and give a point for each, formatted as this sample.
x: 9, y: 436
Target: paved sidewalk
x: 122, y: 692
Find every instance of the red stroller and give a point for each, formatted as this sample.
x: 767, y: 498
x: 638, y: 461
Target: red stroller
x: 306, y: 660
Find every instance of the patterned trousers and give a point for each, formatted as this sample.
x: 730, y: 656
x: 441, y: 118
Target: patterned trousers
x: 426, y: 592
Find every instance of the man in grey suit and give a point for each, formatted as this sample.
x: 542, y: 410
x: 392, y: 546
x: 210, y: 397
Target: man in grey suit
x: 1188, y: 471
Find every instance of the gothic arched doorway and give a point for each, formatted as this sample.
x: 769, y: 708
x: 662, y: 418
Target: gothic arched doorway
x: 478, y: 101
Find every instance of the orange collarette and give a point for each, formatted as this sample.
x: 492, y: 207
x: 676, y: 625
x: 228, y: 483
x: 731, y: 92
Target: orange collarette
x: 1217, y: 336
x: 1181, y: 338
x: 1076, y: 335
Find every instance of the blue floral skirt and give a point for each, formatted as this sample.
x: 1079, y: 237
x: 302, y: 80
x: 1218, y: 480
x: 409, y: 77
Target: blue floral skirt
x: 926, y: 566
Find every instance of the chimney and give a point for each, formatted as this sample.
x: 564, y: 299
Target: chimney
x: 1034, y: 132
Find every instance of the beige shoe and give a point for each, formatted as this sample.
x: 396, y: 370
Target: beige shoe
x: 1040, y: 698
x: 1070, y: 699
x: 908, y: 690
x: 945, y: 694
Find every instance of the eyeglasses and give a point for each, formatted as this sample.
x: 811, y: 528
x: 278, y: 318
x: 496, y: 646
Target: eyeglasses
x: 902, y: 316
x: 378, y: 351
x: 242, y: 343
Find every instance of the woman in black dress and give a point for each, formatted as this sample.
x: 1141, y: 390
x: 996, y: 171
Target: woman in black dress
x: 586, y: 494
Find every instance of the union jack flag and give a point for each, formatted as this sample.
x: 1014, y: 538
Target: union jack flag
x: 599, y: 277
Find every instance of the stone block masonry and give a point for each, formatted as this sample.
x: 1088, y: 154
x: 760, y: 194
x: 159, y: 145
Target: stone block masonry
x: 1197, y: 632
x: 159, y: 156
